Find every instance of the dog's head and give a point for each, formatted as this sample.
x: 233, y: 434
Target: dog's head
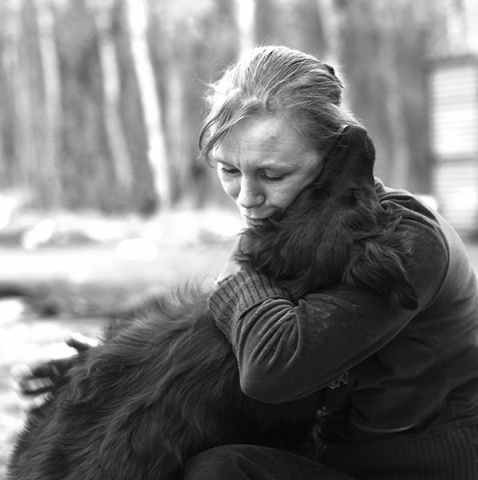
x: 350, y: 163
x: 336, y: 231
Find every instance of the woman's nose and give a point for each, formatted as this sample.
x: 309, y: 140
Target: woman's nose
x: 250, y: 195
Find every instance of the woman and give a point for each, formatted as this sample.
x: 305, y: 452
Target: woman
x: 399, y: 385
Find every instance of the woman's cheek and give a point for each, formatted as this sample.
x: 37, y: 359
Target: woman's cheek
x: 285, y: 194
x: 230, y: 186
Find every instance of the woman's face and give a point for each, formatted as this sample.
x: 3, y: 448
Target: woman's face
x: 263, y: 164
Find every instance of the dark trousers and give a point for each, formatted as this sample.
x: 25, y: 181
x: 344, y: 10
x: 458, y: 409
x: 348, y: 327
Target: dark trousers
x: 445, y: 453
x: 249, y: 462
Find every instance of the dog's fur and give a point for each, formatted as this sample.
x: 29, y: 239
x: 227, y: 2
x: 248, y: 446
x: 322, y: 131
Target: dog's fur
x: 337, y: 232
x: 162, y: 388
x: 164, y: 385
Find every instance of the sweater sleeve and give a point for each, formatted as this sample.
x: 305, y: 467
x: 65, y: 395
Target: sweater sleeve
x: 286, y: 351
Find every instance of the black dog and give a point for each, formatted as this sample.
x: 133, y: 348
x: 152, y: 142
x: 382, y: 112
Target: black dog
x: 337, y: 232
x: 164, y: 385
x: 162, y: 388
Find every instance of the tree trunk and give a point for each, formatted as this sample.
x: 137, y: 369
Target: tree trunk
x: 30, y: 108
x: 457, y: 27
x: 5, y: 93
x: 151, y: 103
x: 52, y: 99
x: 331, y: 20
x: 111, y: 87
x: 400, y: 165
x: 245, y: 19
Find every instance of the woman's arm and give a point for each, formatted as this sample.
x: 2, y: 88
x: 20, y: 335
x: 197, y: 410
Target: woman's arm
x: 286, y: 351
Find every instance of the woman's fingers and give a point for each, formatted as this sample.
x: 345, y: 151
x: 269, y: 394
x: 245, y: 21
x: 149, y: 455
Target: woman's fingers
x: 32, y: 391
x: 35, y: 386
x: 34, y: 379
x: 34, y: 382
x: 80, y: 342
x: 30, y: 403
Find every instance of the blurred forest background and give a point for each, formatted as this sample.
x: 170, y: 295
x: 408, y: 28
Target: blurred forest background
x: 101, y: 196
x: 101, y: 100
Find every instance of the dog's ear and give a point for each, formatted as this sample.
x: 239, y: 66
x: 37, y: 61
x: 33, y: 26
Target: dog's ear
x: 380, y: 268
x: 351, y: 160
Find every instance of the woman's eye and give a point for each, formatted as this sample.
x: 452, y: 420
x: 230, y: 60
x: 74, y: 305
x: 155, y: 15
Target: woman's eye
x: 272, y: 178
x: 229, y: 171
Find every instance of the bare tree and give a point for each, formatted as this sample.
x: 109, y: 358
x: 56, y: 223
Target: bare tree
x: 150, y: 100
x: 331, y: 20
x: 111, y: 90
x: 34, y: 145
x: 245, y: 18
x: 52, y: 91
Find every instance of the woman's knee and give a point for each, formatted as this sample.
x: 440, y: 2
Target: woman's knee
x: 219, y: 462
x: 252, y: 462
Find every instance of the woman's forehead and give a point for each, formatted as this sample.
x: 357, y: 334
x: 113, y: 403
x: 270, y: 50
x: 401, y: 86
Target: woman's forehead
x: 263, y: 143
x: 260, y: 134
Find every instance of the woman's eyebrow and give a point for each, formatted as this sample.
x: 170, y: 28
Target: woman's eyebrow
x: 217, y: 158
x: 273, y: 164
x: 224, y: 161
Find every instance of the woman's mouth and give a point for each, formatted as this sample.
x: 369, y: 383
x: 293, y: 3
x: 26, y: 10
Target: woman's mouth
x: 255, y: 222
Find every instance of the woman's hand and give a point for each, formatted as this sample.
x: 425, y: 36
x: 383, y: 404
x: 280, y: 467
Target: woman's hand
x: 233, y: 265
x: 34, y: 383
x: 230, y: 268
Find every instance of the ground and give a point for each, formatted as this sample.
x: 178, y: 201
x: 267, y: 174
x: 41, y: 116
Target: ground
x: 74, y: 288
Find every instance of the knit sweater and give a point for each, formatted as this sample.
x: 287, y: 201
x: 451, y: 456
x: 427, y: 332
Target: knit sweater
x: 381, y: 369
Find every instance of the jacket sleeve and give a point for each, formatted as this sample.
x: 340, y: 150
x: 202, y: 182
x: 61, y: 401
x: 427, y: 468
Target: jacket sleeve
x: 286, y: 351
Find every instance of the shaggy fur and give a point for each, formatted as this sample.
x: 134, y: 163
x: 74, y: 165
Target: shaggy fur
x: 336, y: 231
x: 164, y: 385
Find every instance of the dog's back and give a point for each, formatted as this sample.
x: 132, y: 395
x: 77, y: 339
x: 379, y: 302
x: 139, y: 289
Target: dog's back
x: 162, y: 389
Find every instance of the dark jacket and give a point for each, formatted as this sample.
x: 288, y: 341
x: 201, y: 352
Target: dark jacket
x: 381, y: 369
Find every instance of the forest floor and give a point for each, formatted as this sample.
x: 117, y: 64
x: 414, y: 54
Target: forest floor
x: 75, y: 287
